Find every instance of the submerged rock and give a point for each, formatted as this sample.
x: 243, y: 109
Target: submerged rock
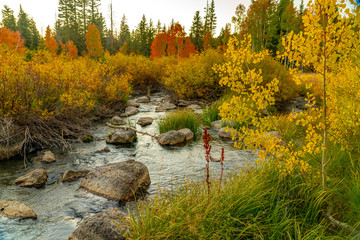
x: 73, y: 175
x: 16, y: 209
x: 48, y: 157
x: 171, y: 138
x: 105, y: 149
x: 117, y: 121
x: 124, y: 135
x: 129, y: 111
x: 106, y: 225
x: 189, y: 135
x: 119, y: 181
x: 144, y: 121
x: 36, y: 178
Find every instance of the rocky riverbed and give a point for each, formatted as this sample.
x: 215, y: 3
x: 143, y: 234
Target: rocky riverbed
x: 61, y: 206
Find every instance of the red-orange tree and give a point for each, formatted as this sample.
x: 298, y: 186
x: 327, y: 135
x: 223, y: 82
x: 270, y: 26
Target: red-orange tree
x: 12, y: 40
x: 50, y: 42
x: 172, y: 43
x: 93, y: 42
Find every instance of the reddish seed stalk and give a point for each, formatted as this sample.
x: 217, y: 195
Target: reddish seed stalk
x: 222, y: 165
x: 207, y: 146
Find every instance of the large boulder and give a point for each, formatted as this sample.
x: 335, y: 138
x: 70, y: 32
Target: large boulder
x: 48, y: 157
x: 143, y: 99
x: 171, y: 138
x: 117, y: 121
x: 189, y: 135
x: 109, y: 224
x: 15, y: 209
x: 36, y: 178
x: 144, y: 121
x: 119, y: 181
x: 124, y: 135
x: 73, y: 175
x: 165, y: 107
x: 129, y: 111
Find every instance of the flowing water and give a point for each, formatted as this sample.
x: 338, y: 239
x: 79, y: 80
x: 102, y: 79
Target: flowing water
x: 61, y: 206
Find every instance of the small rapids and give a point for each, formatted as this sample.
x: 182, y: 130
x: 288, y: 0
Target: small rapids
x: 61, y: 206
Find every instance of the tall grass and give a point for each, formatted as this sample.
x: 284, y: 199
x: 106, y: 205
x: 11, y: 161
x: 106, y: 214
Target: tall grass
x: 257, y: 204
x: 211, y: 113
x: 180, y: 119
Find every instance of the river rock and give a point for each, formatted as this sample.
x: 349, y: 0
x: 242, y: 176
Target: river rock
x: 276, y: 134
x: 189, y: 135
x: 73, y: 175
x: 105, y: 149
x: 119, y: 181
x: 143, y: 99
x: 7, y: 152
x: 106, y: 225
x: 124, y: 135
x: 167, y: 98
x: 216, y: 124
x: 183, y: 103
x: 165, y: 107
x: 196, y: 108
x: 223, y: 134
x: 133, y: 103
x: 48, y: 157
x: 36, y: 178
x: 171, y: 138
x: 144, y: 121
x: 129, y: 111
x: 117, y: 121
x: 15, y: 209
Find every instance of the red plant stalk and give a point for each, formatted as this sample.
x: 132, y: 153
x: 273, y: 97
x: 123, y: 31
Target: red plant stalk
x: 207, y: 146
x: 222, y: 165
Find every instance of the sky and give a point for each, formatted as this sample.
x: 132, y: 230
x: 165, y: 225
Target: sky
x: 44, y: 11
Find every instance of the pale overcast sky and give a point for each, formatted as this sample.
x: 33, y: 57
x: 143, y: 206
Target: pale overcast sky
x: 44, y: 11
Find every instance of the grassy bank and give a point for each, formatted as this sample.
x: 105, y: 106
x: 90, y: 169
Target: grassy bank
x: 256, y: 204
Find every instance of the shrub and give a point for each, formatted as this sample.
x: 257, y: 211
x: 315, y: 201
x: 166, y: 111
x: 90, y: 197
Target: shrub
x: 194, y: 77
x: 180, y: 119
x: 272, y: 69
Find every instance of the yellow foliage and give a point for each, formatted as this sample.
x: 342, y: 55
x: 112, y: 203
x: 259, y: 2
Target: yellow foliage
x: 194, y: 77
x: 50, y: 85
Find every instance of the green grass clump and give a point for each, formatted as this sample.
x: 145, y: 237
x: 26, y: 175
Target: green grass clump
x: 180, y: 119
x: 211, y: 113
x: 256, y: 204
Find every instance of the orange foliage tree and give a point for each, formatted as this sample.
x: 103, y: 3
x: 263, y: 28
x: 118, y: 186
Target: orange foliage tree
x: 12, y: 40
x: 72, y: 50
x: 172, y: 43
x: 50, y: 42
x: 93, y: 42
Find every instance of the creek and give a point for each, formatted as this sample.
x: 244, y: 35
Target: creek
x: 62, y: 206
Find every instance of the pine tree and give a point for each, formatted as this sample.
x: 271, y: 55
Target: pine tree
x: 124, y: 32
x: 197, y: 31
x: 151, y: 35
x: 158, y: 27
x: 24, y: 28
x: 238, y: 19
x: 143, y: 36
x: 210, y: 18
x: 35, y: 35
x: 8, y: 19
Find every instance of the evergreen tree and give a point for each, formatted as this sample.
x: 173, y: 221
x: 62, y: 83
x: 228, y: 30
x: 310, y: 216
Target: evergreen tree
x: 210, y: 18
x: 143, y: 36
x: 8, y: 19
x: 197, y: 31
x: 158, y: 27
x: 124, y: 32
x: 63, y: 25
x: 24, y: 28
x: 35, y: 35
x: 151, y: 32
